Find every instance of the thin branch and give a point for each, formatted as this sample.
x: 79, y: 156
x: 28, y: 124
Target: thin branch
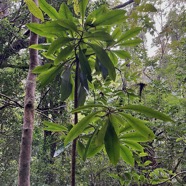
x: 179, y: 160
x: 47, y: 109
x: 10, y: 99
x: 171, y: 178
x: 123, y: 5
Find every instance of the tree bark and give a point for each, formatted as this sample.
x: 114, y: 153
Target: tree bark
x: 28, y: 120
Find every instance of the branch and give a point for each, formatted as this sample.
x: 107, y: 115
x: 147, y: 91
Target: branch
x: 123, y: 5
x: 171, y: 178
x: 10, y: 99
x: 179, y: 160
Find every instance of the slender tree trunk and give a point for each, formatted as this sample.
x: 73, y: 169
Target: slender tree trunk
x: 73, y: 164
x: 28, y: 120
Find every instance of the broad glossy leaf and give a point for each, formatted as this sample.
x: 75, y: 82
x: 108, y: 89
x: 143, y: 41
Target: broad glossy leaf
x: 98, y: 35
x: 101, y: 134
x: 89, y: 144
x: 122, y: 54
x: 81, y: 95
x: 110, y: 18
x: 112, y: 144
x: 33, y: 8
x: 82, y: 8
x: 148, y: 111
x: 64, y: 12
x: 131, y: 42
x: 63, y: 54
x: 48, y: 9
x: 42, y: 68
x: 116, y: 33
x: 68, y: 24
x: 84, y: 64
x: 48, y: 29
x: 139, y: 126
x: 48, y: 76
x: 58, y: 43
x: 133, y: 145
x: 80, y: 148
x: 118, y: 119
x: 104, y: 60
x: 113, y: 57
x: 93, y: 15
x: 134, y: 136
x: 93, y: 149
x: 126, y: 128
x: 127, y: 155
x: 83, y: 80
x: 66, y: 85
x: 80, y: 126
x: 100, y: 68
x: 129, y: 34
x: 50, y: 126
x: 76, y: 7
x: 40, y: 46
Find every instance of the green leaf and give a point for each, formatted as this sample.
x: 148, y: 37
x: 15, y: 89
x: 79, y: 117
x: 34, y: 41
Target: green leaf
x: 98, y: 35
x: 100, y: 68
x: 58, y: 43
x: 112, y: 144
x: 42, y: 68
x: 129, y: 34
x: 126, y: 155
x: 50, y: 126
x: 139, y: 126
x: 131, y: 42
x: 66, y: 85
x: 116, y: 33
x: 80, y: 149
x: 84, y: 64
x: 82, y: 8
x: 64, y: 12
x: 68, y: 24
x: 81, y: 95
x: 118, y: 119
x: 48, y: 29
x: 134, y: 136
x: 90, y: 140
x: 40, y: 46
x: 104, y: 60
x: 33, y: 8
x: 110, y: 18
x: 79, y: 127
x: 93, y: 15
x: 76, y: 7
x: 148, y: 111
x: 122, y: 54
x: 133, y: 145
x: 101, y: 134
x: 63, y: 54
x: 48, y: 9
x: 93, y: 149
x: 48, y: 76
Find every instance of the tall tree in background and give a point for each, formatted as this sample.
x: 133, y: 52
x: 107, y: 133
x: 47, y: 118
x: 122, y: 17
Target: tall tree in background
x: 27, y: 131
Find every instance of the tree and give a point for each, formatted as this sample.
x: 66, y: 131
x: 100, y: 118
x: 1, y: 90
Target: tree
x: 27, y: 131
x: 80, y: 43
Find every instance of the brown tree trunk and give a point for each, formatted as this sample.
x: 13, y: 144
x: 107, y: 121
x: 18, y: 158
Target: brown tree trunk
x: 28, y: 120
